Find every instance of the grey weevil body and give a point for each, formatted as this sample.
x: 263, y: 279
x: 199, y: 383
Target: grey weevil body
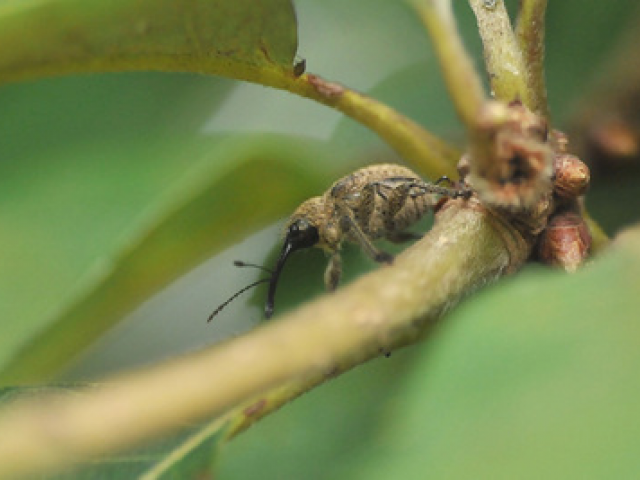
x: 378, y: 201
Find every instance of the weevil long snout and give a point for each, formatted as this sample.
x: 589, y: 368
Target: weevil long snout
x: 300, y: 234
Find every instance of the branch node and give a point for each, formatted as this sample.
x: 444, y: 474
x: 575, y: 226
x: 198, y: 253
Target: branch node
x: 511, y: 161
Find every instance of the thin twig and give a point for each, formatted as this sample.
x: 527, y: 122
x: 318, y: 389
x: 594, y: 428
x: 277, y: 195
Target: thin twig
x: 462, y: 80
x: 463, y: 83
x: 504, y: 62
x: 609, y: 108
x: 530, y: 32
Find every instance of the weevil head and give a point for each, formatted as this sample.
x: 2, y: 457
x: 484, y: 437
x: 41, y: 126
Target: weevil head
x: 303, y: 230
x: 300, y: 234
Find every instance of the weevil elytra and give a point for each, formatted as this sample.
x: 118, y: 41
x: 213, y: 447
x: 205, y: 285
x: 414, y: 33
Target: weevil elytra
x: 379, y: 201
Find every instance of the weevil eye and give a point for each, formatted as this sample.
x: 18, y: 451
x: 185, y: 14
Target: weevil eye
x: 301, y: 234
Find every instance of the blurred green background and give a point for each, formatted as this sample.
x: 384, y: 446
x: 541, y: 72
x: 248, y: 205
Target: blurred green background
x: 88, y: 162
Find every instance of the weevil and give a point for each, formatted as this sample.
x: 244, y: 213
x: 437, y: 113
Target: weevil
x: 378, y: 201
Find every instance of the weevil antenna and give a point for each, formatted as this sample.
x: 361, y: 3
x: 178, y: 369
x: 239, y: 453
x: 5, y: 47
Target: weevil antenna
x: 236, y: 295
x: 241, y: 264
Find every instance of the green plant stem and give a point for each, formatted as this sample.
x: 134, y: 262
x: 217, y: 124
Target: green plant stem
x: 421, y: 149
x: 530, y: 31
x: 462, y: 80
x: 381, y: 311
x: 502, y: 55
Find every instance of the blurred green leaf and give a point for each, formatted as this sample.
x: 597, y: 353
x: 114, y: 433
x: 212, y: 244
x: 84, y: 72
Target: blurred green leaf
x: 579, y: 39
x: 534, y: 379
x: 214, y: 206
x: 191, y: 457
x: 81, y: 159
x: 320, y: 433
x: 232, y: 37
x: 142, y: 462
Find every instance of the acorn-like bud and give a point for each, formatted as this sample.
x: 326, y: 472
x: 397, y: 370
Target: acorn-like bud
x: 572, y: 176
x: 565, y: 242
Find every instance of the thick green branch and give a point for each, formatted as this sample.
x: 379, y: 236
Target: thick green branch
x: 381, y: 311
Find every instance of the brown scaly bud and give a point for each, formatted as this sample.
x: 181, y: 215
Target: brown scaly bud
x: 565, y: 242
x: 572, y: 176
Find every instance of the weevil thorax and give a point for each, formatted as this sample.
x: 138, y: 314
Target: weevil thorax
x: 315, y: 213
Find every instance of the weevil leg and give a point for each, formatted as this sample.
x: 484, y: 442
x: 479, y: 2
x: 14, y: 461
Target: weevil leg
x: 423, y: 188
x: 398, y: 191
x: 418, y: 187
x: 402, y: 237
x: 333, y: 272
x: 350, y: 225
x: 443, y: 178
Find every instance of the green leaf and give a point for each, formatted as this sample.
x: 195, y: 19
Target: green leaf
x: 236, y: 38
x: 318, y: 434
x: 191, y: 455
x: 82, y: 159
x: 214, y: 206
x: 534, y: 379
